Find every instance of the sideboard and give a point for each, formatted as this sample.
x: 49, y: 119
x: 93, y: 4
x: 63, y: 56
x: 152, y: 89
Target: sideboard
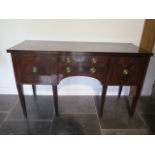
x: 48, y: 62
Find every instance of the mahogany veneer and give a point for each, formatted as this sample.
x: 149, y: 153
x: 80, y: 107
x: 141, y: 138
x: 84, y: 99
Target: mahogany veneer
x: 48, y: 62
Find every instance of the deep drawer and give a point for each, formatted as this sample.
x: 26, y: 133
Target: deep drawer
x: 35, y: 69
x: 126, y: 70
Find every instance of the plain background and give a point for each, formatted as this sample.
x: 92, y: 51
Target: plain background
x: 70, y: 145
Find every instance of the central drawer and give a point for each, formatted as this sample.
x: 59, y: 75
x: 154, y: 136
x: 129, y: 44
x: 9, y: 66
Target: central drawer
x: 93, y: 66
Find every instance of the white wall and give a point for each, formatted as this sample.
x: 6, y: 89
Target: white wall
x: 15, y: 31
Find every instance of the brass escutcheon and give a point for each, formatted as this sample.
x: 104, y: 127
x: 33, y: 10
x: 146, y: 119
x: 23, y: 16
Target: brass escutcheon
x: 68, y: 70
x: 93, y: 60
x: 34, y: 69
x: 125, y: 71
x: 68, y: 60
x: 92, y: 70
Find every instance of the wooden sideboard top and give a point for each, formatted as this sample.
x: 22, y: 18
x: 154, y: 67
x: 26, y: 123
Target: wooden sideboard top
x: 69, y: 46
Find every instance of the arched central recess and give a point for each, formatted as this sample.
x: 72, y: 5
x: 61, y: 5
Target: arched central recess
x: 79, y: 85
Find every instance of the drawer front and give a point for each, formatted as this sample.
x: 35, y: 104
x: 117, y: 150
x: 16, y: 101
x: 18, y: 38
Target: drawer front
x: 46, y: 69
x: 24, y: 65
x: 37, y: 69
x: 126, y: 70
x: 45, y: 64
x: 84, y: 60
x: 93, y: 66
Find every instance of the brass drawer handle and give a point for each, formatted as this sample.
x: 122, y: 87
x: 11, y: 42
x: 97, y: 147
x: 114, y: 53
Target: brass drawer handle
x: 125, y: 71
x: 68, y: 69
x: 93, y: 60
x: 92, y: 70
x: 68, y: 60
x: 34, y: 69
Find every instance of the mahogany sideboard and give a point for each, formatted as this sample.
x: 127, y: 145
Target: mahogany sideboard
x: 48, y: 62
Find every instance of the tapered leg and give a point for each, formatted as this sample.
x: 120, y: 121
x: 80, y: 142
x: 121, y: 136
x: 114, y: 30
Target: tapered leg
x: 135, y: 101
x: 104, y: 90
x: 34, y: 89
x: 120, y: 91
x: 55, y: 95
x: 22, y: 98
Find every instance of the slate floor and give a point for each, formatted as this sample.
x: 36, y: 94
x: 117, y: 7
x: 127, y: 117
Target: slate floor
x: 78, y: 116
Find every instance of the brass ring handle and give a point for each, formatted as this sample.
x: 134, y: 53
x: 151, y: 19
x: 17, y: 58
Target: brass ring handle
x: 125, y: 71
x: 68, y: 60
x: 93, y: 60
x: 68, y: 69
x: 34, y: 69
x: 92, y: 70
